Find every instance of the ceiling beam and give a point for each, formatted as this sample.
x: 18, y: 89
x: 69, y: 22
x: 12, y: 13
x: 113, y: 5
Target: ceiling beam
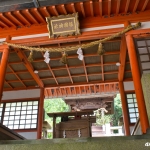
x: 127, y: 6
x: 47, y: 14
x: 39, y: 15
x: 55, y: 11
x: 73, y: 8
x: 145, y: 4
x: 100, y: 8
x: 109, y: 7
x: 30, y: 16
x: 14, y: 19
x: 29, y: 67
x: 64, y: 9
x: 136, y: 5
x: 49, y: 67
x: 82, y: 9
x: 123, y: 53
x: 16, y: 75
x: 102, y: 67
x: 91, y: 8
x: 118, y: 7
x: 22, y: 17
x: 70, y: 67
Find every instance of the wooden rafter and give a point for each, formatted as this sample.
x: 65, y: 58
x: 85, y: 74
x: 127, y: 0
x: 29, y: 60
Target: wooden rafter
x: 100, y: 8
x: 64, y: 9
x: 49, y: 67
x: 145, y: 4
x: 118, y: 7
x: 16, y: 75
x: 31, y: 16
x: 3, y: 24
x: 127, y: 6
x: 39, y: 15
x: 136, y: 5
x: 8, y: 84
x: 73, y: 8
x: 85, y: 70
x: 82, y: 9
x: 68, y: 70
x: 55, y: 11
x: 14, y: 19
x: 76, y: 75
x: 47, y: 14
x: 29, y: 67
x: 123, y: 53
x: 91, y: 8
x: 22, y: 17
x: 102, y: 67
x: 7, y: 20
x: 109, y: 7
x: 70, y: 67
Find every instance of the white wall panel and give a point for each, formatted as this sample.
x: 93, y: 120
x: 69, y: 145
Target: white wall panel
x: 28, y: 135
x: 128, y: 86
x: 8, y: 95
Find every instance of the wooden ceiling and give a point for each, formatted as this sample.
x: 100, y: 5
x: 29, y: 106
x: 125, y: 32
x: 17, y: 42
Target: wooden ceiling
x: 89, y: 8
x: 95, y: 74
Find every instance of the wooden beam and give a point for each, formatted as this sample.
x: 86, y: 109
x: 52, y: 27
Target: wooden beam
x: 124, y: 109
x: 14, y: 19
x: 85, y: 70
x: 49, y: 67
x: 136, y: 5
x: 91, y: 8
x: 16, y: 75
x: 3, y: 67
x: 82, y: 9
x: 123, y: 53
x: 100, y: 8
x: 64, y: 9
x: 118, y: 7
x: 7, y: 20
x: 73, y: 8
x: 29, y: 67
x: 55, y: 11
x: 137, y: 83
x: 127, y: 6
x: 69, y: 73
x: 31, y: 17
x: 9, y: 84
x: 4, y: 24
x: 40, y: 114
x: 145, y: 4
x: 22, y: 17
x: 109, y: 7
x: 102, y: 67
x: 46, y: 12
x: 39, y: 15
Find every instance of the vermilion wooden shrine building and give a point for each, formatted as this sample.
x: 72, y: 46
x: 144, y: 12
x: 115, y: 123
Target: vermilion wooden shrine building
x: 22, y: 90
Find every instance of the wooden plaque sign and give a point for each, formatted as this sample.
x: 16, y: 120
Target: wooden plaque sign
x: 63, y: 25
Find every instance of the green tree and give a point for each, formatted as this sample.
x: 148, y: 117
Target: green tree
x: 117, y: 110
x: 54, y: 105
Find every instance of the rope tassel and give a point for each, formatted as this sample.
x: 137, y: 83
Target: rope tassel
x: 100, y: 49
x: 30, y: 58
x: 64, y: 58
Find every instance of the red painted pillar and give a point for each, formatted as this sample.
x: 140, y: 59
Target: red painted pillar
x: 40, y: 114
x: 3, y: 67
x: 137, y: 83
x: 124, y: 109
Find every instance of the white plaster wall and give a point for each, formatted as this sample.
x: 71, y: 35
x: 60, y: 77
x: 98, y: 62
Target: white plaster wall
x: 144, y: 25
x: 128, y: 86
x: 28, y: 135
x: 20, y: 94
